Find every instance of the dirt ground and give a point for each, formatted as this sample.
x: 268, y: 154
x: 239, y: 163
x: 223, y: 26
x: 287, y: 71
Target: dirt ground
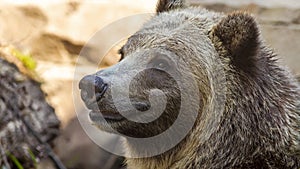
x: 55, y: 32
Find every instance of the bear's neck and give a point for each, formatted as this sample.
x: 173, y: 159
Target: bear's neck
x: 181, y: 156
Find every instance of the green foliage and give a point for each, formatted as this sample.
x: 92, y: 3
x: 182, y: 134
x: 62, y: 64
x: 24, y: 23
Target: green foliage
x: 15, y: 161
x: 33, y: 158
x: 26, y: 59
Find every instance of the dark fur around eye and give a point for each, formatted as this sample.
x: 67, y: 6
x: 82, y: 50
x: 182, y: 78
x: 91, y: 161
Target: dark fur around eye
x: 121, y: 52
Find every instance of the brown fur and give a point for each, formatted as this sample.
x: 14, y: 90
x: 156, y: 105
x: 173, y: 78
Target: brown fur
x: 163, y: 6
x: 243, y: 140
x: 259, y: 127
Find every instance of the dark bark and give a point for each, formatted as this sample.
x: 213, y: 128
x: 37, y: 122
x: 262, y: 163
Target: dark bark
x: 23, y: 106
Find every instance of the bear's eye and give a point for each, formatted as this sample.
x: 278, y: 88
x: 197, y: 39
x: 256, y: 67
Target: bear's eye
x: 161, y: 64
x: 121, y: 52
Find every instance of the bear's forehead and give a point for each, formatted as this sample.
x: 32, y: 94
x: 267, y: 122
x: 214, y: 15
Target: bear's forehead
x: 180, y: 19
x: 182, y: 24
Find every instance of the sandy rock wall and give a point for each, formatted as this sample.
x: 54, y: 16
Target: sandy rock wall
x: 55, y: 31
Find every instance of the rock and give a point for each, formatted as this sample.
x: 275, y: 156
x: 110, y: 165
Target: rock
x: 53, y: 48
x: 268, y: 4
x: 284, y: 39
x: 21, y: 23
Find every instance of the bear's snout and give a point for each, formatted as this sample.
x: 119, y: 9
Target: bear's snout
x: 92, y: 89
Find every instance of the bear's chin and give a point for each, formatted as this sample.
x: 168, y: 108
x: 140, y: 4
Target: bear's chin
x: 107, y: 123
x: 125, y: 127
x: 112, y: 123
x: 96, y: 116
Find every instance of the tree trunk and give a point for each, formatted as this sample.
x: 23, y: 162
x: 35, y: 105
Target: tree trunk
x: 26, y: 119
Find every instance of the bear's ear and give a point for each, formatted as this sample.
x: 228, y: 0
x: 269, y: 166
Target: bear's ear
x: 237, y: 36
x: 167, y: 5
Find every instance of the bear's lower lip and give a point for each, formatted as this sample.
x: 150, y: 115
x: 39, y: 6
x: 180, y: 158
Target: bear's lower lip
x: 108, y: 117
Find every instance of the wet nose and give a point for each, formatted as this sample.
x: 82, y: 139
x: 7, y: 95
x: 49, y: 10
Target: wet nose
x: 92, y: 88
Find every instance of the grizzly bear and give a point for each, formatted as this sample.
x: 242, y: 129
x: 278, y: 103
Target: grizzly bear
x: 237, y: 108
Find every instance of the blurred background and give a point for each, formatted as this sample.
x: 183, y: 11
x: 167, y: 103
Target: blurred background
x: 52, y: 33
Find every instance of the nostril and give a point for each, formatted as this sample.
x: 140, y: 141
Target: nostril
x: 100, y: 94
x: 99, y: 84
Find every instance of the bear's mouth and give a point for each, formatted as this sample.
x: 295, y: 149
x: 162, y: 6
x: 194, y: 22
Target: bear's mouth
x: 101, y: 116
x: 104, y: 116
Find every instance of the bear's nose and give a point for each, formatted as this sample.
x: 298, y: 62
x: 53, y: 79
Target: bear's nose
x: 92, y: 88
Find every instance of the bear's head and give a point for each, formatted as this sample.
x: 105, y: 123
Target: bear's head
x: 178, y: 62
